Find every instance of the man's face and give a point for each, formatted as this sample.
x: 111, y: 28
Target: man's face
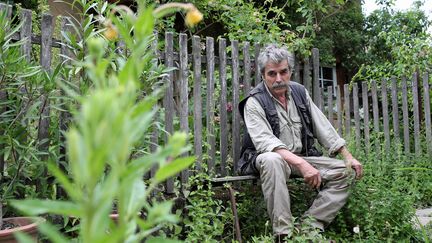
x: 277, y: 76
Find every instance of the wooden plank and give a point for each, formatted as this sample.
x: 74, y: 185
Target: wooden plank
x: 234, y: 178
x: 366, y: 115
x: 184, y: 104
x: 25, y: 33
x: 247, y: 68
x: 416, y: 114
x: 315, y: 78
x: 375, y: 106
x: 405, y: 115
x: 236, y: 114
x: 347, y: 111
x: 47, y: 27
x: 427, y: 112
x: 223, y: 104
x: 330, y: 104
x: 296, y: 71
x: 210, y: 105
x: 356, y: 114
x: 168, y: 101
x: 66, y: 56
x: 196, y: 53
x: 395, y: 110
x: 155, y: 128
x: 306, y: 75
x: 385, y: 114
x: 339, y: 109
x: 257, y: 71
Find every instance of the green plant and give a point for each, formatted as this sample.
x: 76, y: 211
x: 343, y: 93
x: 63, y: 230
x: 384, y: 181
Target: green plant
x: 111, y: 121
x: 19, y: 82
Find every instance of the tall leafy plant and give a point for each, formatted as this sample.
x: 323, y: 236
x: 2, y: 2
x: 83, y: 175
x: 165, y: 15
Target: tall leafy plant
x: 112, y: 119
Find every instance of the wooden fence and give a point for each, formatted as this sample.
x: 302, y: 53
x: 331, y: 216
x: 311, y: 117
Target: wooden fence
x: 207, y: 86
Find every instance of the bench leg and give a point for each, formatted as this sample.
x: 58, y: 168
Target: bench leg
x: 234, y: 210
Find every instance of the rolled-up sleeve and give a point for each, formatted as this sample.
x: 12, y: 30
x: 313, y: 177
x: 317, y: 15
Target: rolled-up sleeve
x: 323, y: 130
x: 259, y: 128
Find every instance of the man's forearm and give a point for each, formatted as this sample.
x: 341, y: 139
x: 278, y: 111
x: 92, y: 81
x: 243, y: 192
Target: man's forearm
x: 345, y: 153
x: 290, y: 157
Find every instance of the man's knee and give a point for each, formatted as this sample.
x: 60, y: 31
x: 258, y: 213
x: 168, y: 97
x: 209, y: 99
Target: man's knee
x: 271, y: 161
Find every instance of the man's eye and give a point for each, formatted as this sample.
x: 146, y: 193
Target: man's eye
x: 283, y: 72
x: 271, y: 74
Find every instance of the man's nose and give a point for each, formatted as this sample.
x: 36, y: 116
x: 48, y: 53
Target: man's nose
x: 278, y: 77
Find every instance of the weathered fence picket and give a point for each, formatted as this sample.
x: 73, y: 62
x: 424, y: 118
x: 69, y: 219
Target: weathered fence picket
x: 395, y: 110
x: 236, y: 99
x: 405, y: 115
x: 347, y: 111
x: 356, y: 114
x: 339, y: 109
x: 223, y: 104
x: 184, y: 93
x: 168, y: 101
x: 365, y: 98
x: 427, y: 112
x: 196, y: 51
x: 416, y: 114
x: 210, y: 103
x: 384, y: 110
x: 193, y: 83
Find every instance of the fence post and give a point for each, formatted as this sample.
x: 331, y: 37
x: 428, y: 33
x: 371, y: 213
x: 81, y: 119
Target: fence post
x: 427, y: 112
x: 210, y: 103
x: 366, y: 115
x: 223, y: 104
x: 47, y: 27
x: 236, y: 90
x: 385, y: 114
x: 395, y: 110
x: 316, y: 83
x: 168, y: 101
x: 405, y: 115
x: 184, y: 96
x: 416, y: 114
x: 196, y: 53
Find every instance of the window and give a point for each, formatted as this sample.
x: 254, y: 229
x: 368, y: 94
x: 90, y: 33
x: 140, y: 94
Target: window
x: 327, y: 78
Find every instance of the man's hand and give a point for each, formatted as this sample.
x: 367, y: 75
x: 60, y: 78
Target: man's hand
x: 352, y: 162
x: 311, y: 175
x: 358, y: 167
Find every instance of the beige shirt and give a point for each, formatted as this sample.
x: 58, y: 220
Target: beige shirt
x: 290, y: 127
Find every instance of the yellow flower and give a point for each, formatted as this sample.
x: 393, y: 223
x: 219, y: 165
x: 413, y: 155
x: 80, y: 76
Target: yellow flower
x: 111, y: 32
x: 193, y: 17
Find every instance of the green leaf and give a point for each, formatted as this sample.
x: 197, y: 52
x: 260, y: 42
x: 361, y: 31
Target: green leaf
x: 36, y: 207
x: 162, y: 240
x: 52, y: 233
x: 145, y: 23
x: 171, y: 168
x: 64, y: 181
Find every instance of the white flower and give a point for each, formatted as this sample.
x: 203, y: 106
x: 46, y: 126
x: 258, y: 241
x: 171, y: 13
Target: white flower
x: 356, y: 229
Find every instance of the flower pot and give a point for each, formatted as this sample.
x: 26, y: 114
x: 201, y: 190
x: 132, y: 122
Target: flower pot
x: 27, y: 225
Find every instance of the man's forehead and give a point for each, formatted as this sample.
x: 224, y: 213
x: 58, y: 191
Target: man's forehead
x: 276, y: 66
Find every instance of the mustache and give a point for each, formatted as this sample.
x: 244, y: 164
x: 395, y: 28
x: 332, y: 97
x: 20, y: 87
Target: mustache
x: 279, y: 85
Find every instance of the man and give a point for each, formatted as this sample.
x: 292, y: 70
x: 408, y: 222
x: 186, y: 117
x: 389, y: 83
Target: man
x: 282, y: 123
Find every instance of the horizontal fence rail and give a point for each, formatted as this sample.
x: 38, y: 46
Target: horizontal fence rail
x: 211, y: 77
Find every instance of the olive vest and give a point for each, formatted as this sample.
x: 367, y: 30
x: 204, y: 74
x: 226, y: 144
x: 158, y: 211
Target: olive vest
x: 248, y: 154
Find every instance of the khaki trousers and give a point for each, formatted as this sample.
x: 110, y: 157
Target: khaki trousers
x: 274, y: 174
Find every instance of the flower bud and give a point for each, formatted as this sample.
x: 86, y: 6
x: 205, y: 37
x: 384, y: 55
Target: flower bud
x: 193, y: 17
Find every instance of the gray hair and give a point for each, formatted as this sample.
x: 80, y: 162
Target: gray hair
x: 274, y: 54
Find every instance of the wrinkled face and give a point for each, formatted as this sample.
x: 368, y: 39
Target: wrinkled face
x: 277, y: 76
